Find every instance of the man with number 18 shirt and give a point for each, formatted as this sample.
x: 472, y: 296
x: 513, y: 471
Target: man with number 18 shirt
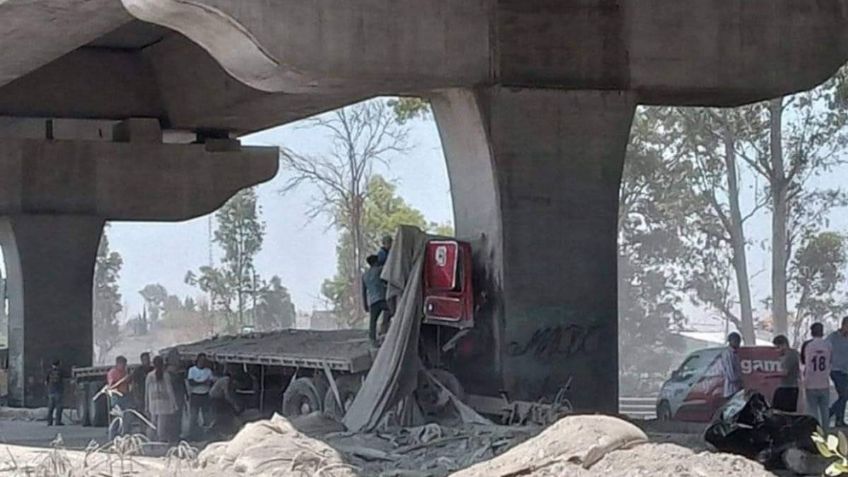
x: 816, y: 356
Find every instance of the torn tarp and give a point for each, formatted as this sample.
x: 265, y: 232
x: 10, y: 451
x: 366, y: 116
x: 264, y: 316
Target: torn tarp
x: 394, y: 374
x: 393, y: 377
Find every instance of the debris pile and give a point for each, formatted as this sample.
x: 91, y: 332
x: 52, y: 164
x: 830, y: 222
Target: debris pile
x: 602, y: 446
x: 274, y: 447
x: 430, y: 450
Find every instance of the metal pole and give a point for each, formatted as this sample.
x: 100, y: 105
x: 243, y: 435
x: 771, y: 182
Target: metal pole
x: 262, y: 389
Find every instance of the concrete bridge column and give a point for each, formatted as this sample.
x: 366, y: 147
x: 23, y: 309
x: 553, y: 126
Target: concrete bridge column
x: 535, y: 179
x: 50, y: 261
x: 59, y: 184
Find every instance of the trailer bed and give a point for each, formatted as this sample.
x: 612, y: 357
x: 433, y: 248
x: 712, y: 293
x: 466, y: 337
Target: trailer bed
x: 340, y: 350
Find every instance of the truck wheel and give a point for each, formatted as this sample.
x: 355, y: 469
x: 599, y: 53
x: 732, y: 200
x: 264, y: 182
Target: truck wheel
x: 348, y: 386
x: 301, y: 398
x: 663, y: 411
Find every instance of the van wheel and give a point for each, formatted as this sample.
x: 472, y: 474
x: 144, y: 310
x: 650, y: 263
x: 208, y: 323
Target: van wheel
x: 663, y: 411
x: 348, y: 386
x: 301, y: 398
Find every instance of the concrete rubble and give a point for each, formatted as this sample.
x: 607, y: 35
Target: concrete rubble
x: 313, y: 445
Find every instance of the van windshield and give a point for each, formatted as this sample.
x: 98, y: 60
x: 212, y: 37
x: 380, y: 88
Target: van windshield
x: 696, y: 362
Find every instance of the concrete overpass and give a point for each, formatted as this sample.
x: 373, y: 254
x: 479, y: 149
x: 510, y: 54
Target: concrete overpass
x: 533, y: 98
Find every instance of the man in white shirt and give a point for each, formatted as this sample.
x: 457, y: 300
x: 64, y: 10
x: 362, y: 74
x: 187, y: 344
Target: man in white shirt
x: 200, y: 380
x: 816, y: 356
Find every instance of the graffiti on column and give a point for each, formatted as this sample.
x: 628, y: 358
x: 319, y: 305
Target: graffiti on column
x: 559, y: 341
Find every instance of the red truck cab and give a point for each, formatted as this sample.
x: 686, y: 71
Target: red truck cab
x: 448, y: 289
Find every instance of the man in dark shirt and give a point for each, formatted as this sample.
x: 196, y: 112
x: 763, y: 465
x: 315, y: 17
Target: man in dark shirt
x: 385, y: 248
x: 374, y: 296
x: 138, y: 378
x: 786, y: 395
x: 55, y: 391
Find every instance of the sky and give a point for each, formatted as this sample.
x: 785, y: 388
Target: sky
x: 300, y: 251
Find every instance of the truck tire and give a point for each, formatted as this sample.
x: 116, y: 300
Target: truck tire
x: 348, y: 386
x: 301, y: 398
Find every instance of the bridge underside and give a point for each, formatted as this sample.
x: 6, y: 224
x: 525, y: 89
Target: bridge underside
x: 533, y: 99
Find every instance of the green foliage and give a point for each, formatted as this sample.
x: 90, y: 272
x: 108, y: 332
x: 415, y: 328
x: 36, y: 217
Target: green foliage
x: 154, y: 296
x: 409, y: 107
x: 238, y: 296
x: 384, y: 212
x: 654, y: 204
x: 362, y: 136
x: 816, y: 272
x: 239, y: 234
x: 834, y: 447
x: 274, y: 308
x: 107, y: 298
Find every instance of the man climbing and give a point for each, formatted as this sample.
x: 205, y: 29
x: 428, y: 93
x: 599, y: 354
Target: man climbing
x: 374, y: 296
x: 383, y: 253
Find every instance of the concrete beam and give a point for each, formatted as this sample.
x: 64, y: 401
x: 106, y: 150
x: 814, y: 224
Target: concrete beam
x: 714, y: 52
x: 124, y: 86
x: 537, y: 173
x: 698, y: 52
x: 291, y: 46
x: 34, y: 33
x: 125, y: 181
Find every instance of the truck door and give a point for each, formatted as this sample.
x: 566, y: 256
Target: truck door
x: 448, y: 291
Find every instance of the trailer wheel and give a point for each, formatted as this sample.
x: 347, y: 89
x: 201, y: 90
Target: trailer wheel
x: 301, y: 398
x: 348, y: 386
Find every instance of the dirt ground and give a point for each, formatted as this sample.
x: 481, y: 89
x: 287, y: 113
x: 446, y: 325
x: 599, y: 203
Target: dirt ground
x: 575, y: 446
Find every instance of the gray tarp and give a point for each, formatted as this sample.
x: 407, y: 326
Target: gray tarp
x: 393, y: 376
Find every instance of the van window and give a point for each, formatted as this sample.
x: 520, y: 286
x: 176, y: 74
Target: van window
x: 695, y: 363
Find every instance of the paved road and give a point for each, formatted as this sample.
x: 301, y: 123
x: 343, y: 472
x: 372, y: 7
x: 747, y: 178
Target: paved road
x: 37, y: 434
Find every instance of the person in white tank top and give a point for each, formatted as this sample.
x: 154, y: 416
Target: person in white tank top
x: 816, y: 357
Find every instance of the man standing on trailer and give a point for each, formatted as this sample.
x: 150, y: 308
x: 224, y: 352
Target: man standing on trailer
x: 374, y: 296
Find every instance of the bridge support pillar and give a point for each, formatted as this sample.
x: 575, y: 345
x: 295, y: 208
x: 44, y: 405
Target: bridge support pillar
x: 50, y: 261
x: 56, y: 193
x: 535, y: 178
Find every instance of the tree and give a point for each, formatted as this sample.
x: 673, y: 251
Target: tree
x: 384, y: 212
x: 794, y: 139
x: 239, y: 233
x: 362, y: 136
x: 408, y: 108
x: 107, y: 298
x: 653, y: 207
x: 816, y: 272
x: 274, y: 308
x: 154, y: 296
x: 709, y: 140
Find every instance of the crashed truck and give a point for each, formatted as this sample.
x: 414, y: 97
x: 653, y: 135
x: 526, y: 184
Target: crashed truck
x: 297, y: 372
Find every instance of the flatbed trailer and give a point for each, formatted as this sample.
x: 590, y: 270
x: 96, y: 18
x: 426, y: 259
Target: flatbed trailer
x: 290, y: 371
